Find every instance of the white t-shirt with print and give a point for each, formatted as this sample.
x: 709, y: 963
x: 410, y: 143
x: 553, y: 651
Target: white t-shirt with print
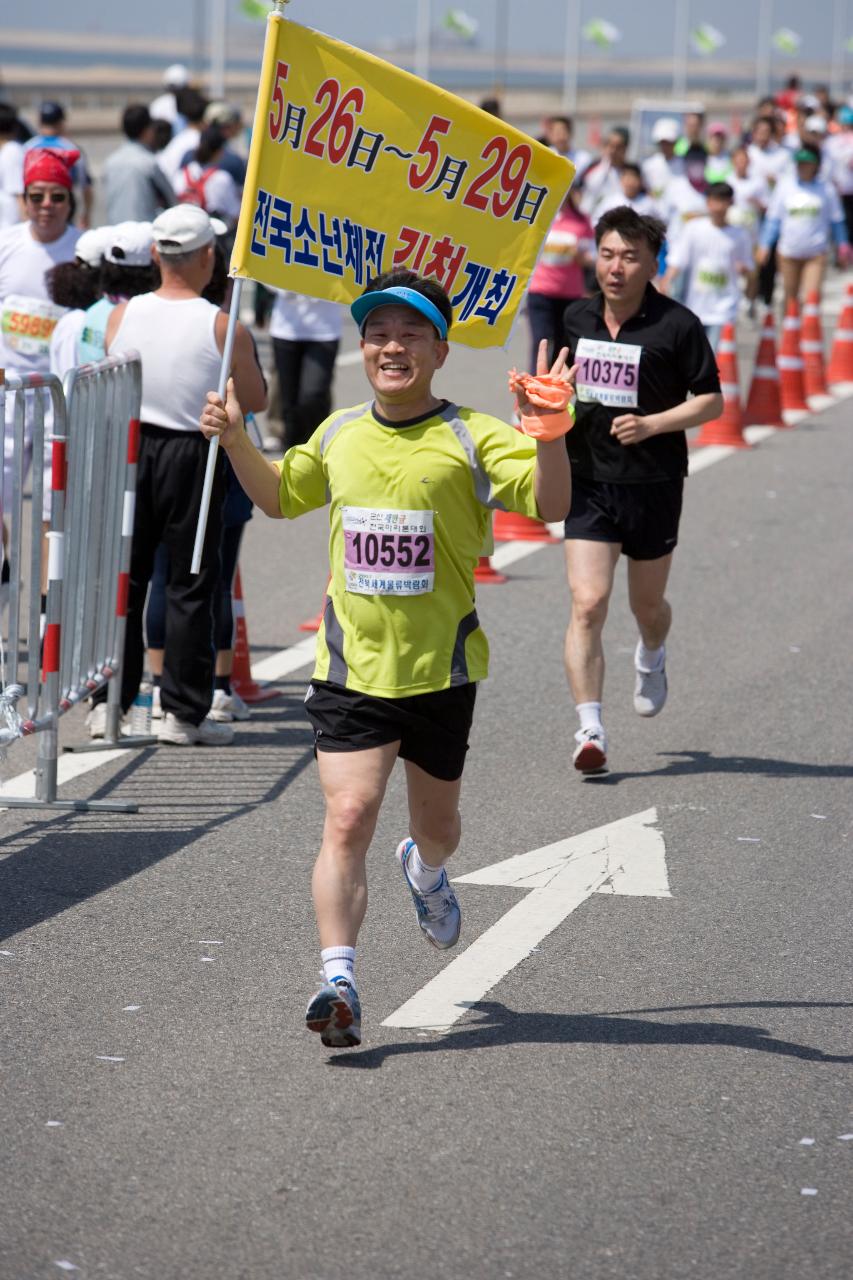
x: 297, y: 318
x: 806, y: 211
x: 27, y: 316
x: 711, y: 256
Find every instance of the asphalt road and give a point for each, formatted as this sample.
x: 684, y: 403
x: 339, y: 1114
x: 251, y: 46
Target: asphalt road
x: 630, y: 1101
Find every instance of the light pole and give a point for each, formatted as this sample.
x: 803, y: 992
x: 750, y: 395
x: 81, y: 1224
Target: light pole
x: 571, y: 57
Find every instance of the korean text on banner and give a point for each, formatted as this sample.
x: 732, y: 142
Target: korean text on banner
x: 357, y: 168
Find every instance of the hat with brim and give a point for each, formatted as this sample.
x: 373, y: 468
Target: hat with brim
x: 185, y: 228
x: 807, y: 155
x: 92, y: 245
x: 130, y: 245
x: 397, y: 296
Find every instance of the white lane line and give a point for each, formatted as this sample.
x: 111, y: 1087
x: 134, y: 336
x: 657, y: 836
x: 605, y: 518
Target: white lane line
x: 624, y: 857
x: 68, y: 767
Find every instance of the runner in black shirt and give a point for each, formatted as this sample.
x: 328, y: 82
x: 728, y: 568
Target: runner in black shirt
x: 640, y: 356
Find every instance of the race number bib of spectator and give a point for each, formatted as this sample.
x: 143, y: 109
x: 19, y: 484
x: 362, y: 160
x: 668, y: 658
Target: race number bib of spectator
x: 27, y: 323
x: 608, y: 373
x: 388, y: 553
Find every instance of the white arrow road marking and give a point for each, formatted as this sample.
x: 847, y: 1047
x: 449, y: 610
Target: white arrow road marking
x: 626, y: 857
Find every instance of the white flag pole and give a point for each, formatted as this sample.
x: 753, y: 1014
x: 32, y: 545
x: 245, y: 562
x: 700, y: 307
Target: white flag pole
x: 423, y: 32
x: 836, y: 79
x: 762, y: 61
x: 571, y: 56
x: 224, y: 374
x: 213, y: 448
x: 679, y: 59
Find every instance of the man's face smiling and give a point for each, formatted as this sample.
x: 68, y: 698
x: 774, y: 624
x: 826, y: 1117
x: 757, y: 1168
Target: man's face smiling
x: 402, y: 352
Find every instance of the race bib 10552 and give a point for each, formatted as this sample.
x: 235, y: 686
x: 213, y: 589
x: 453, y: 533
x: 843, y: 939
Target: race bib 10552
x: 388, y: 552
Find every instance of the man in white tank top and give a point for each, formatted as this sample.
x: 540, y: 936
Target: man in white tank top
x: 180, y: 337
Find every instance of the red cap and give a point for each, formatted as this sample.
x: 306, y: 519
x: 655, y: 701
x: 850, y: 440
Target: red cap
x: 49, y: 164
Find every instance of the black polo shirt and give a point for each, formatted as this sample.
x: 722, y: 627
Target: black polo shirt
x: 674, y: 359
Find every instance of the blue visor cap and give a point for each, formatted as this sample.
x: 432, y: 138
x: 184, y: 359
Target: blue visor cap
x: 397, y: 295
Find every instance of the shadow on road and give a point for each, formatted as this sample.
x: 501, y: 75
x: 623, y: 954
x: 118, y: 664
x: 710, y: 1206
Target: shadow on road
x: 692, y: 762
x: 499, y: 1025
x: 50, y: 865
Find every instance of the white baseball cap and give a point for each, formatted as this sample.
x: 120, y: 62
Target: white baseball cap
x: 815, y: 124
x: 130, y: 244
x: 667, y: 129
x: 92, y: 245
x: 176, y: 75
x: 184, y: 228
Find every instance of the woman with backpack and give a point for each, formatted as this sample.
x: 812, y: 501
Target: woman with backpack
x: 201, y: 181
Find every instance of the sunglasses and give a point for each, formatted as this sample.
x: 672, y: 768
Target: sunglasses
x: 55, y: 197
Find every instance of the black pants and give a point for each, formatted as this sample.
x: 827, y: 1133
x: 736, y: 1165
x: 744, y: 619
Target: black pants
x: 305, y: 372
x: 545, y: 317
x: 767, y: 278
x: 223, y: 605
x: 170, y: 478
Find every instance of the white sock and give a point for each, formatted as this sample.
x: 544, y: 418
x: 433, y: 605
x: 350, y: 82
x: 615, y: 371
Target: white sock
x: 649, y: 659
x: 339, y: 962
x: 590, y: 715
x: 422, y: 876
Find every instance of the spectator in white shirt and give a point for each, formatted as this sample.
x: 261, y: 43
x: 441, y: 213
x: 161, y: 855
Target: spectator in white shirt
x: 559, y: 136
x: 192, y: 105
x: 601, y: 178
x: 714, y: 256
x: 804, y: 216
x: 633, y: 194
x: 659, y: 169
x: 11, y: 168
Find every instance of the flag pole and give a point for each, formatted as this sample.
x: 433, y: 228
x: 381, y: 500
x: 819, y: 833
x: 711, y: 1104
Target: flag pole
x: 224, y: 374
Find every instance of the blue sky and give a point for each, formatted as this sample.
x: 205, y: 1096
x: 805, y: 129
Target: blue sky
x: 534, y: 25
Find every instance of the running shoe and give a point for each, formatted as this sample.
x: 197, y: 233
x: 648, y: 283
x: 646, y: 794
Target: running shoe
x: 590, y: 755
x: 228, y: 706
x: 335, y: 1012
x: 438, y: 911
x: 650, y: 691
x: 182, y: 733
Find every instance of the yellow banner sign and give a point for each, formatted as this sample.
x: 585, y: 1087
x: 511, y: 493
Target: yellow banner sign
x: 356, y: 168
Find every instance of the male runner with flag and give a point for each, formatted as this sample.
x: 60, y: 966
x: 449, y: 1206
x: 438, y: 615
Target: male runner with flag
x: 410, y: 479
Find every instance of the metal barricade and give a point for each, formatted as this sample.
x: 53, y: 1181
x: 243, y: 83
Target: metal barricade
x: 25, y: 678
x: 95, y: 446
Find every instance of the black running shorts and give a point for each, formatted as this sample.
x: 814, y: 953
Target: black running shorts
x: 642, y: 518
x: 432, y: 728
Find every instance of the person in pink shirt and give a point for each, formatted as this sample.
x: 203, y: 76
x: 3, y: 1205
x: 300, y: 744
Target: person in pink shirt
x: 559, y: 275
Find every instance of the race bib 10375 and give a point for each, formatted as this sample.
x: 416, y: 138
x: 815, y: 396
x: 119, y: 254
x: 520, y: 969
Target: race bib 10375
x: 608, y: 373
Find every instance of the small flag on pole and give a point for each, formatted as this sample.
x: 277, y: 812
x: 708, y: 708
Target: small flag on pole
x: 459, y: 23
x: 786, y: 40
x: 601, y: 32
x: 254, y: 9
x: 706, y: 39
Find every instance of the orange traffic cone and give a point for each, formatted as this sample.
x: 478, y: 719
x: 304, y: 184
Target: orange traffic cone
x: 511, y: 527
x: 241, y: 674
x: 764, y: 404
x: 728, y: 428
x: 814, y: 377
x: 841, y: 361
x: 790, y: 364
x: 485, y: 572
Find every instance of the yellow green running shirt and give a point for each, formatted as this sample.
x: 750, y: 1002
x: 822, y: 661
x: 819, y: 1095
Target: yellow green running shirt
x: 409, y: 514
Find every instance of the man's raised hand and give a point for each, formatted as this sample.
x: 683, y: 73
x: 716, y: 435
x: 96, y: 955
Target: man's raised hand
x: 223, y: 418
